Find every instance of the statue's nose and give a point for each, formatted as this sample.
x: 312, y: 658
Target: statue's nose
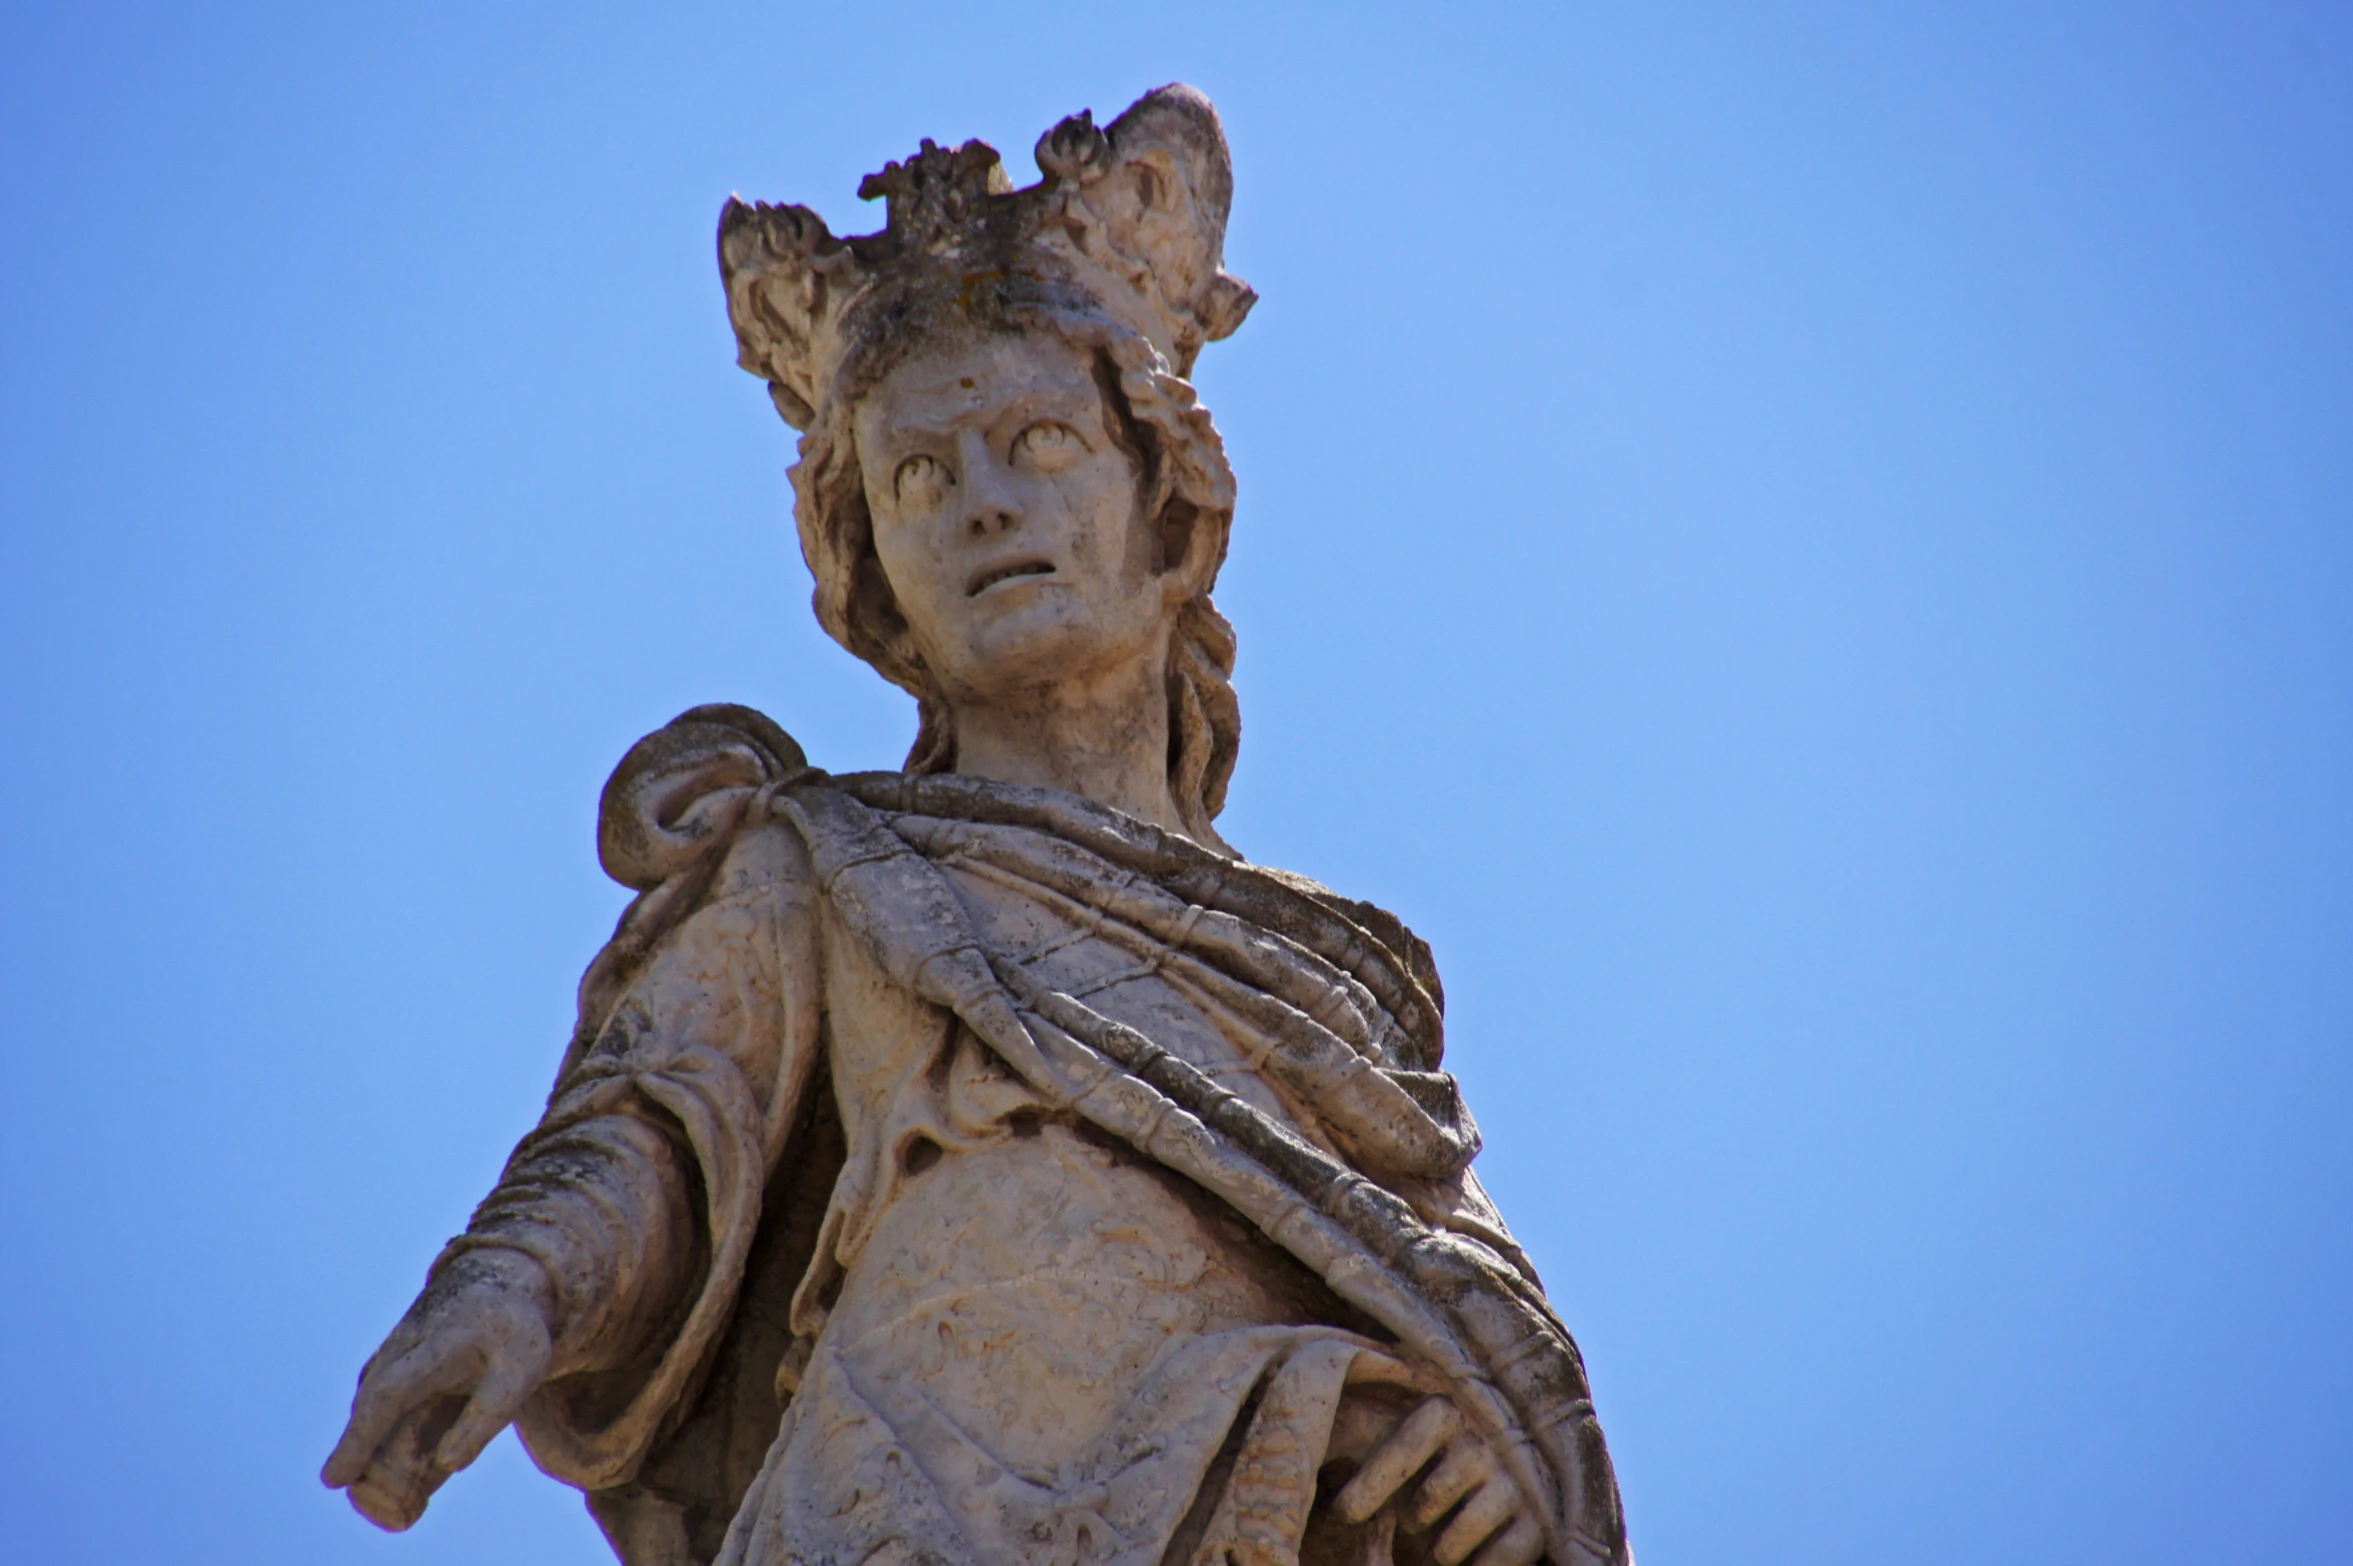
x: 989, y: 522
x: 990, y: 505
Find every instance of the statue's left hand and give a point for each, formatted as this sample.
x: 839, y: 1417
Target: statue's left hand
x: 452, y: 1375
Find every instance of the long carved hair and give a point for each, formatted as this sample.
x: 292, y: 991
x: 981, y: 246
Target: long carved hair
x: 1187, y: 487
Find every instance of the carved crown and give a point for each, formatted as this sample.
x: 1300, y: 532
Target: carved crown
x: 1129, y: 220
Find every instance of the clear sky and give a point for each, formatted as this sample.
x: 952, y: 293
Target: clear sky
x: 1808, y: 548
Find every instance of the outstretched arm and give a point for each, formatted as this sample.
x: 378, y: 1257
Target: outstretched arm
x: 573, y: 1260
x: 616, y: 1236
x: 451, y: 1376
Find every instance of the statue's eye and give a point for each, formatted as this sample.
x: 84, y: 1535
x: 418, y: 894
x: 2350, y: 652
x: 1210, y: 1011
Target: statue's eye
x: 1048, y: 446
x: 922, y: 482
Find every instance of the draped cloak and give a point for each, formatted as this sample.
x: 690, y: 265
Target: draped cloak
x: 829, y: 984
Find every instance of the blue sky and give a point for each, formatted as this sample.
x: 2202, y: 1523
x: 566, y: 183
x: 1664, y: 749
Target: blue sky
x: 1808, y: 548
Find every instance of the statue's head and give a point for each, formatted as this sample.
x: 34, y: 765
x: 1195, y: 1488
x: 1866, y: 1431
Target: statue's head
x: 1005, y: 477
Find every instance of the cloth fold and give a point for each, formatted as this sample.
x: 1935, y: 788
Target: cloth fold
x: 1356, y: 1166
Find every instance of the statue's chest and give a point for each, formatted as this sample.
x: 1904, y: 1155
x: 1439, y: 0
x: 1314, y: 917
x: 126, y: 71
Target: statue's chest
x: 887, y: 1043
x: 1027, y: 1269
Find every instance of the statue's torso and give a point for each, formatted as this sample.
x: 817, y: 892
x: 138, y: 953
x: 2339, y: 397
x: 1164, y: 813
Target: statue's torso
x: 1030, y: 1286
x: 1030, y: 1342
x: 1022, y: 1336
x: 1028, y: 1273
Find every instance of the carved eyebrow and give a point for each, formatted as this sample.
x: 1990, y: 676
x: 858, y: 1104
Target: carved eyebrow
x: 942, y: 427
x: 1069, y: 405
x: 904, y: 439
x: 1070, y: 408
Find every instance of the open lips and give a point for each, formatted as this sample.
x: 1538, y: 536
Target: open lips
x: 1006, y: 573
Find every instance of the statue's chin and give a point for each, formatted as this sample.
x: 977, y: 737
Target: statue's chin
x: 1029, y: 631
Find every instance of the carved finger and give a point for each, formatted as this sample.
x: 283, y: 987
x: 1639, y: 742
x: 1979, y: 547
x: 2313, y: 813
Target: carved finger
x: 1517, y: 1545
x: 391, y: 1509
x: 361, y: 1436
x: 1430, y: 1426
x: 1467, y: 1466
x: 491, y: 1409
x: 401, y: 1477
x: 392, y: 1500
x: 386, y: 1392
x: 1371, y: 1368
x: 1485, y: 1512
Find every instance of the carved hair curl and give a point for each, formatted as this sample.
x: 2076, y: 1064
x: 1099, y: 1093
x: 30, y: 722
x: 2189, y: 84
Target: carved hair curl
x: 1187, y: 485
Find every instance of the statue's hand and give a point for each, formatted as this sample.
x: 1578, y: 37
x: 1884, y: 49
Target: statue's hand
x: 452, y: 1375
x: 1468, y: 1479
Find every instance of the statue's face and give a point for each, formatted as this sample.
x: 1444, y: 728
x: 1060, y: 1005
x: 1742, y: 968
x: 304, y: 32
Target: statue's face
x: 1008, y: 520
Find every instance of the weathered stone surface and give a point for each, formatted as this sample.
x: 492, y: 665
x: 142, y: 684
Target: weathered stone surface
x: 982, y: 1162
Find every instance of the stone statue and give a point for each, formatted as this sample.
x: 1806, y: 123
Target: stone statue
x: 982, y: 1162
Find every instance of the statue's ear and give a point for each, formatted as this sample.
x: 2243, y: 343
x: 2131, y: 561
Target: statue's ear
x: 1194, y: 544
x: 781, y: 265
x: 1161, y: 182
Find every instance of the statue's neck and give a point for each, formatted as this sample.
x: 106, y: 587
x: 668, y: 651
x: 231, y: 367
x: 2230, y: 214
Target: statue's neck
x: 1104, y: 737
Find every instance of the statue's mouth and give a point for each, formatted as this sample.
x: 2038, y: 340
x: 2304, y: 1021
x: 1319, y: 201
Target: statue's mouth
x: 1011, y: 570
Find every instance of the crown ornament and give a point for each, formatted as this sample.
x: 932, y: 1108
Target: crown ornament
x: 1127, y: 224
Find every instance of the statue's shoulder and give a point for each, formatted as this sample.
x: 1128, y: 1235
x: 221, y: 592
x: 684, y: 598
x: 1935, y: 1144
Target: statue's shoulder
x: 684, y: 785
x: 1410, y: 949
